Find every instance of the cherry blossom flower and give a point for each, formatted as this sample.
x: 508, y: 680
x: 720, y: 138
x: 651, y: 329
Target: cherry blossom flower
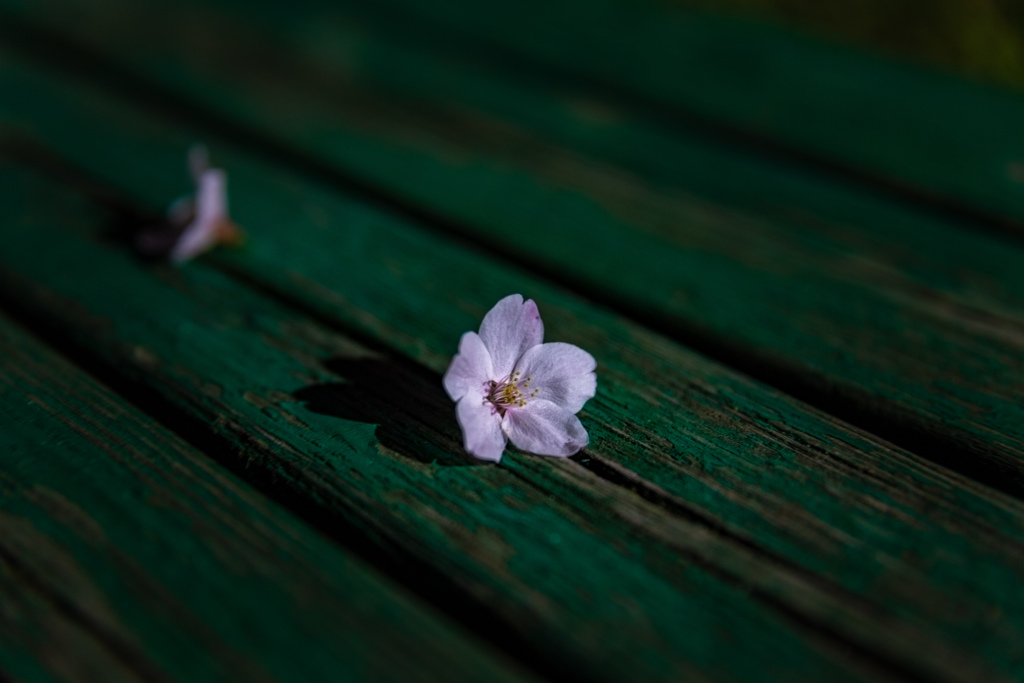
x: 197, y: 223
x: 509, y: 386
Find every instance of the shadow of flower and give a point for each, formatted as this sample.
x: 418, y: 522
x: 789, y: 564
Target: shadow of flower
x: 415, y: 417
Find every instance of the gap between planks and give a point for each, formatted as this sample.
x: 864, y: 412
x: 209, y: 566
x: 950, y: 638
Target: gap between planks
x: 49, y: 45
x: 894, y: 668
x: 68, y: 540
x: 422, y: 579
x: 120, y: 651
x: 854, y: 408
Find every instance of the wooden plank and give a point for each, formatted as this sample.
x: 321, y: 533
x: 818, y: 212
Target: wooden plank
x: 919, y: 130
x: 492, y: 108
x: 937, y: 136
x: 126, y: 555
x: 781, y: 489
x: 911, y: 328
x: 896, y: 127
x: 565, y: 576
x: 39, y: 643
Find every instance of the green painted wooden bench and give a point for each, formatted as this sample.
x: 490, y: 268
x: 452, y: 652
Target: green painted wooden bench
x: 799, y: 268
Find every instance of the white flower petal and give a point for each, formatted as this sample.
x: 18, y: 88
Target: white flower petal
x: 211, y: 209
x: 470, y: 369
x: 560, y: 373
x: 481, y: 427
x: 545, y: 428
x: 509, y: 329
x: 212, y: 195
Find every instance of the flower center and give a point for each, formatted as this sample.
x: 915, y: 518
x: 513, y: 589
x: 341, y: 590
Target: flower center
x: 510, y: 392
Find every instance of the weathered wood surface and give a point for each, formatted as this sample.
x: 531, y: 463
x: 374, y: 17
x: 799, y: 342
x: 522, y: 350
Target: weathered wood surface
x: 42, y: 644
x: 125, y: 554
x: 909, y: 325
x: 898, y: 128
x: 579, y: 587
x: 762, y: 490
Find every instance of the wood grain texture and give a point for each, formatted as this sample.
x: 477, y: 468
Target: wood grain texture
x: 789, y: 496
x: 909, y: 127
x: 125, y: 555
x: 40, y: 643
x: 905, y: 323
x: 579, y: 587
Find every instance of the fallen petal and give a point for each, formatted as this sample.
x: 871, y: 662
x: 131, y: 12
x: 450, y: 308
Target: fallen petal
x: 470, y: 369
x: 210, y: 211
x: 545, y: 428
x: 560, y: 373
x: 509, y: 329
x: 481, y: 428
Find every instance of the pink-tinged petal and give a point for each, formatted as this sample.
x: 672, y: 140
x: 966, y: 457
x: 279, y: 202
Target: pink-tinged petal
x: 481, y: 428
x: 211, y: 211
x: 470, y: 369
x: 212, y: 195
x: 545, y: 428
x: 509, y: 329
x: 560, y: 373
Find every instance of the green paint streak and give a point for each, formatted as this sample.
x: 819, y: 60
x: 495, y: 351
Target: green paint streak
x: 163, y: 555
x: 911, y: 539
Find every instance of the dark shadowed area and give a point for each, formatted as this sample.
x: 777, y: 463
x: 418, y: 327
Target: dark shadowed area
x: 240, y: 243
